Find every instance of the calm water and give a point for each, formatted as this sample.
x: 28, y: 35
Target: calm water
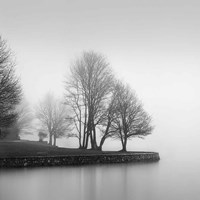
x: 168, y: 179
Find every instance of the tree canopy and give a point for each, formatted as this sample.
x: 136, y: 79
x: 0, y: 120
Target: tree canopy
x: 53, y: 117
x: 87, y: 90
x: 10, y: 88
x: 96, y: 105
x: 101, y: 104
x: 130, y: 120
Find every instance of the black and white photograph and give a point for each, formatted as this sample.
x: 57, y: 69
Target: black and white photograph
x: 99, y: 100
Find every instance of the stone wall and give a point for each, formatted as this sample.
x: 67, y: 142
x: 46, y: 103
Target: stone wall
x: 77, y: 159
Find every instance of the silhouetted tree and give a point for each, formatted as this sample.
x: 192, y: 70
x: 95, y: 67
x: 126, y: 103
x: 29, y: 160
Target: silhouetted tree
x: 10, y: 89
x: 108, y: 118
x: 87, y: 91
x: 53, y: 115
x: 130, y: 119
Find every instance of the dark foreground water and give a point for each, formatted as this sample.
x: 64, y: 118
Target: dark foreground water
x: 167, y: 179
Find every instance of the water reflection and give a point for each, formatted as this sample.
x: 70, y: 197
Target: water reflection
x: 133, y: 181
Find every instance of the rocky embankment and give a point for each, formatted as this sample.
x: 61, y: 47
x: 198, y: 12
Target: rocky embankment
x: 65, y: 160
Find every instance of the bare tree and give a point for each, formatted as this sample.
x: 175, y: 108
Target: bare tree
x: 99, y: 103
x: 10, y: 89
x: 76, y: 103
x: 53, y: 115
x: 130, y: 119
x: 87, y: 90
x: 108, y: 118
x: 23, y: 123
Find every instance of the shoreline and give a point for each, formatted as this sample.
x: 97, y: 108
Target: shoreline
x: 81, y: 159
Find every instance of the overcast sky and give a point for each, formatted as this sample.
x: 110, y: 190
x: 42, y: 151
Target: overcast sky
x: 153, y: 45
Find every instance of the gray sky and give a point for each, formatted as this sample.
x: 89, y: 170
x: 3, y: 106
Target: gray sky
x: 154, y: 45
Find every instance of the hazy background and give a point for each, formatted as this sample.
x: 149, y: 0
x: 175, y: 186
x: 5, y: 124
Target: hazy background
x: 152, y: 45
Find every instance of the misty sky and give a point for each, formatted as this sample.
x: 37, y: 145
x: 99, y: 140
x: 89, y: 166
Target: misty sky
x: 153, y: 45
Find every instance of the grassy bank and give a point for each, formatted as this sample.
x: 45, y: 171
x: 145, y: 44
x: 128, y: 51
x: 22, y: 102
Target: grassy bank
x: 31, y: 148
x: 36, y: 154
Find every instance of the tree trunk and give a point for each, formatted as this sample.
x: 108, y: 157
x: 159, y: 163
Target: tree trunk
x: 89, y: 128
x: 54, y: 141
x: 124, y: 144
x: 80, y: 146
x: 94, y: 138
x: 79, y: 139
x: 84, y: 140
x: 89, y: 131
x: 91, y: 140
x: 84, y: 143
x: 102, y: 142
x: 124, y: 148
x: 104, y: 136
x: 50, y: 139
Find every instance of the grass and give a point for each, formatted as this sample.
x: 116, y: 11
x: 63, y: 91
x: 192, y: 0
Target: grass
x: 32, y: 148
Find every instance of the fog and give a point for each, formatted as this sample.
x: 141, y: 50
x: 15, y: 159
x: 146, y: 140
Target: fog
x: 152, y: 45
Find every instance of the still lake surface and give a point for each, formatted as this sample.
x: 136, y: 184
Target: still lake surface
x: 173, y: 177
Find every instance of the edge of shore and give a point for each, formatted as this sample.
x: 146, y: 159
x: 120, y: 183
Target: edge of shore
x: 86, y: 159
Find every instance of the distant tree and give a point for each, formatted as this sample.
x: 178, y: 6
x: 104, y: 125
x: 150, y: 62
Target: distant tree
x: 23, y: 124
x: 53, y: 115
x: 10, y: 89
x: 87, y: 91
x: 130, y: 119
